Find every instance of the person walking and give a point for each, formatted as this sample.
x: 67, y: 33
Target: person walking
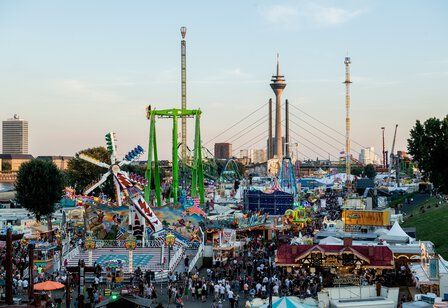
x: 193, y: 291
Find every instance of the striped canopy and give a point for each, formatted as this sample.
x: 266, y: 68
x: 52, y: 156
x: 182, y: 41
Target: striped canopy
x: 290, y: 302
x: 284, y: 302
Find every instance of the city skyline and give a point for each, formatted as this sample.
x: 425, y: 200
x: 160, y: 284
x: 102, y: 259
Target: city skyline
x: 76, y: 71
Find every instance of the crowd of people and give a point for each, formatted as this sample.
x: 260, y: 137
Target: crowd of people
x: 19, y: 264
x: 233, y: 281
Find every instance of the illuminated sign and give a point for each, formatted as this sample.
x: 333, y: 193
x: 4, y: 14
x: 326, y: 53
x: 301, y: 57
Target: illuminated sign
x: 365, y: 218
x: 349, y: 280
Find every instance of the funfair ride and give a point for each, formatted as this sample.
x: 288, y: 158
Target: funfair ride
x: 126, y: 185
x: 228, y: 184
x: 286, y: 177
x: 152, y: 170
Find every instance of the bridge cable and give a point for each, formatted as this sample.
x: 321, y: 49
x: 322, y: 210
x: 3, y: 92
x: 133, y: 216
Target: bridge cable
x: 329, y: 127
x: 238, y: 122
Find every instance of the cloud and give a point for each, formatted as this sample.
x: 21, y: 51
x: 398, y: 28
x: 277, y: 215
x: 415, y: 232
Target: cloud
x: 79, y: 89
x: 328, y: 16
x: 440, y: 61
x: 307, y: 12
x: 432, y: 74
x: 370, y: 83
x: 229, y: 76
x: 236, y: 72
x: 279, y: 14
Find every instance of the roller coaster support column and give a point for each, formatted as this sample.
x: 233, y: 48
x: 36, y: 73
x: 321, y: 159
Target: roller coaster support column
x: 175, y: 161
x: 197, y: 182
x: 152, y: 150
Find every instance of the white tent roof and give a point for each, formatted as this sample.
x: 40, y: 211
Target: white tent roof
x: 381, y: 231
x: 396, y: 230
x: 331, y: 240
x: 396, y: 234
x: 443, y: 265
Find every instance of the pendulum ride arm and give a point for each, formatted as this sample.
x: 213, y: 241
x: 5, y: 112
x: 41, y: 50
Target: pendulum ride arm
x: 139, y: 202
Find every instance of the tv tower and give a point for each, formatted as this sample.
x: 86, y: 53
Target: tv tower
x: 347, y: 82
x: 278, y: 85
x: 183, y: 52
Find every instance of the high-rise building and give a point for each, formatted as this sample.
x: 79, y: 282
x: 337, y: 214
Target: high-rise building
x: 223, y: 150
x: 60, y: 161
x: 244, y: 153
x: 368, y: 156
x: 257, y: 156
x: 15, y: 136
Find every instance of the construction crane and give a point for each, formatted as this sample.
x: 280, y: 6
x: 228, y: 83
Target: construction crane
x: 384, y: 149
x: 395, y: 160
x: 392, y: 159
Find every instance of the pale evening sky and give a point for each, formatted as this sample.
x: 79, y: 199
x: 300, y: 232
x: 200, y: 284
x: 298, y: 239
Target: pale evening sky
x: 77, y: 69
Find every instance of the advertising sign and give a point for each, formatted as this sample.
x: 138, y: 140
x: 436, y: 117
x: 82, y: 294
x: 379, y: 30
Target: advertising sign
x: 366, y: 218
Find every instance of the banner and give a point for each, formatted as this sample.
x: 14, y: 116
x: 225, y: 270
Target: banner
x: 366, y: 218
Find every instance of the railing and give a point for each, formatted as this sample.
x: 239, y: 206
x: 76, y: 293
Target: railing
x: 198, y: 254
x: 8, y: 177
x: 157, y: 243
x: 57, y: 262
x: 65, y: 247
x: 111, y: 243
x: 161, y: 276
x: 73, y: 253
x: 26, y: 272
x: 176, y: 258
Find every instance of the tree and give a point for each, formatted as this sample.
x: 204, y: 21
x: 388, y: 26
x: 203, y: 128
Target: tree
x: 39, y: 187
x: 135, y: 168
x: 428, y: 145
x: 369, y: 171
x: 6, y: 166
x: 81, y: 173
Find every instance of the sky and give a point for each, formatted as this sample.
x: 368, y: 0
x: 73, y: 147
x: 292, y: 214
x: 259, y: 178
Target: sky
x: 78, y: 69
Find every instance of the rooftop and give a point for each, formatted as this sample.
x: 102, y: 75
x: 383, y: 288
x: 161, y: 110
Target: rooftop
x: 16, y: 156
x: 61, y: 157
x: 377, y: 256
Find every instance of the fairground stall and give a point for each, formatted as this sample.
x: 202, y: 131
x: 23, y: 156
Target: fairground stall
x: 337, y: 264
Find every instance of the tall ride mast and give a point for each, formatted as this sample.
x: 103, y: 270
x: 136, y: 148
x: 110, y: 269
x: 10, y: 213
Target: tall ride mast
x: 347, y: 82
